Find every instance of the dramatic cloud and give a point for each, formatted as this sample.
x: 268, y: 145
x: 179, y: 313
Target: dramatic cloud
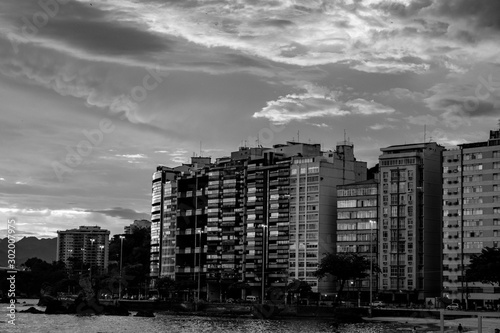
x: 188, y: 78
x: 122, y: 213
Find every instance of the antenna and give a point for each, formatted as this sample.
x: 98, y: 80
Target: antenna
x: 425, y: 132
x: 200, y: 150
x: 298, y: 136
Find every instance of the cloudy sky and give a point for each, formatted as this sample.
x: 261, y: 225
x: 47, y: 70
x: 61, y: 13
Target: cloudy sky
x: 95, y: 95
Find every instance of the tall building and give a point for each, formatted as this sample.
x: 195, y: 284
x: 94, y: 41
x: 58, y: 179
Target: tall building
x: 87, y: 245
x: 162, y: 221
x: 167, y: 209
x: 314, y: 177
x: 410, y: 246
x: 261, y: 217
x: 471, y: 208
x: 357, y: 227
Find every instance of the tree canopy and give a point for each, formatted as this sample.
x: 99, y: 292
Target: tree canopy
x: 485, y: 267
x: 343, y: 267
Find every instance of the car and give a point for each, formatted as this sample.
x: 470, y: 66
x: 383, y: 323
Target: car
x: 378, y: 304
x: 251, y: 299
x: 453, y: 306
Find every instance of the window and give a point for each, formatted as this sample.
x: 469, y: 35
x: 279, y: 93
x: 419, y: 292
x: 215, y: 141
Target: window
x: 346, y: 203
x: 473, y: 178
x: 472, y: 167
x: 313, y: 169
x: 473, y: 245
x: 473, y: 156
x: 346, y: 226
x: 473, y: 211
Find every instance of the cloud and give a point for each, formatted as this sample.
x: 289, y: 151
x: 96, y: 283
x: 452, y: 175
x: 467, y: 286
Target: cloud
x: 422, y: 120
x: 364, y: 107
x: 122, y: 213
x: 402, y: 94
x: 460, y: 101
x: 378, y: 127
x: 317, y: 102
x: 132, y: 156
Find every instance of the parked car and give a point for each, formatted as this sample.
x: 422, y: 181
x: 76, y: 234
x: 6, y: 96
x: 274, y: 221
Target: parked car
x: 378, y: 304
x: 251, y: 299
x: 453, y: 306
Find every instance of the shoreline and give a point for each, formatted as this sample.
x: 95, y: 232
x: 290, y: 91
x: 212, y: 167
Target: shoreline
x: 401, y: 324
x: 433, y: 325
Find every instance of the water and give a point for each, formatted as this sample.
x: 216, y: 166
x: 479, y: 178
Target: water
x: 41, y: 323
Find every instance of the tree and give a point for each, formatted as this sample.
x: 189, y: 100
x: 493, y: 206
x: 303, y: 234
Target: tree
x: 165, y: 284
x: 343, y: 267
x: 485, y: 267
x: 302, y: 288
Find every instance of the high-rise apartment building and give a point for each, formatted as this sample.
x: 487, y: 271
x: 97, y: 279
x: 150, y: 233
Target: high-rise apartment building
x: 410, y: 245
x: 471, y: 215
x: 87, y: 244
x: 357, y: 227
x: 254, y: 220
x: 174, y: 212
x: 313, y: 208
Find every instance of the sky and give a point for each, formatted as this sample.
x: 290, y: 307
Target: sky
x: 96, y: 94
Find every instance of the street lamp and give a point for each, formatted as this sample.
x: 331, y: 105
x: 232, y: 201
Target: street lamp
x: 264, y: 232
x: 371, y: 262
x: 92, y: 240
x: 199, y: 265
x: 121, y: 263
x: 101, y: 256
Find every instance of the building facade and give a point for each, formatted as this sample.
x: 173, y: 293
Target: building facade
x: 313, y: 211
x: 410, y: 246
x: 357, y: 228
x: 471, y: 208
x: 86, y: 245
x: 250, y: 222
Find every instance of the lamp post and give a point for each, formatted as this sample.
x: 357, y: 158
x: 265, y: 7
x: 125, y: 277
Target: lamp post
x: 264, y: 232
x: 371, y: 263
x: 101, y: 256
x: 92, y: 240
x: 121, y: 263
x: 199, y: 232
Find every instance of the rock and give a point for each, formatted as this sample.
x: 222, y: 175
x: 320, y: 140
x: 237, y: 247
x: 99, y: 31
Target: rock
x: 31, y: 310
x: 116, y: 310
x: 145, y: 313
x: 55, y: 307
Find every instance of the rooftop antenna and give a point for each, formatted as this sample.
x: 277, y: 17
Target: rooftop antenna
x: 425, y: 131
x: 298, y: 136
x: 200, y: 150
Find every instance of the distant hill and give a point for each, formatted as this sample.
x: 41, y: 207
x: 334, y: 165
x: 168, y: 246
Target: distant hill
x: 29, y: 247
